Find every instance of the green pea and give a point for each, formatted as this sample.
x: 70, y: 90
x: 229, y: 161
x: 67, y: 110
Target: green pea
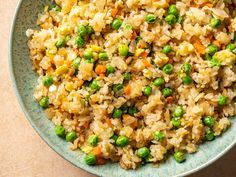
x: 60, y: 43
x: 70, y: 136
x: 67, y: 38
x: 127, y: 76
x: 208, y: 57
x: 90, y: 159
x: 128, y: 27
x: 79, y: 41
x: 82, y: 30
x: 44, y: 102
x: 122, y: 141
x: 148, y: 158
x: 215, y: 23
x: 76, y: 63
x: 116, y: 24
x: 209, y: 121
x: 143, y: 152
x: 88, y: 54
x: 150, y: 18
x: 47, y: 81
x: 138, y: 38
x: 60, y: 130
x: 57, y: 8
x: 124, y: 108
x: 132, y: 111
x: 89, y: 29
x: 159, y: 136
x: 179, y: 156
x: 117, y: 87
x: 114, y: 137
x: 179, y: 111
x: 93, y: 140
x: 231, y: 47
x: 171, y: 19
x: 176, y: 122
x: 222, y: 100
x: 212, y: 49
x: 147, y: 90
x: 180, y: 19
x: 110, y: 70
x: 209, y: 134
x: 215, y: 62
x: 52, y: 5
x: 94, y: 85
x: 173, y: 10
x: 187, y: 68
x: 103, y: 56
x: 167, y: 92
x: 159, y: 82
x: 117, y: 113
x: 187, y: 80
x: 167, y: 49
x: 123, y: 50
x: 90, y: 61
x: 168, y: 68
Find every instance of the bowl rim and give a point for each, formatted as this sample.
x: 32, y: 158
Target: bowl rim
x: 47, y: 141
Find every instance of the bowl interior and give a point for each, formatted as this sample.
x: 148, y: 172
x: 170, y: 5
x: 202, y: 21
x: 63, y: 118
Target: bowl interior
x: 24, y: 81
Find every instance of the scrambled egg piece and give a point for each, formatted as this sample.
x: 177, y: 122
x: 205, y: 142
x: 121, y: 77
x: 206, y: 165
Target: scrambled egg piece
x: 225, y: 57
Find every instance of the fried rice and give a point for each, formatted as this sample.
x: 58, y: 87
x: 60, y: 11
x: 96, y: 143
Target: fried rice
x: 135, y: 81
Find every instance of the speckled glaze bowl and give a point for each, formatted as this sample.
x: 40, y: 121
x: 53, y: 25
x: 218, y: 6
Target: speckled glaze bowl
x: 24, y: 81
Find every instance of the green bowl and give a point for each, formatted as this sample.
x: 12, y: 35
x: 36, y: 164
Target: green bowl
x: 24, y: 81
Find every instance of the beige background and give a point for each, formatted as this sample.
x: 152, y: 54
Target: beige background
x: 23, y: 153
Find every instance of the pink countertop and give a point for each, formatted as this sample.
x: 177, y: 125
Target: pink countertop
x: 23, y: 153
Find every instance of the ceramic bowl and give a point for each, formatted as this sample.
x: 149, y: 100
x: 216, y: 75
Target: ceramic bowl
x: 24, y: 81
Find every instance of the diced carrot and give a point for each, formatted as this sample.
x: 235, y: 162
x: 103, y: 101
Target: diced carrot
x: 199, y: 47
x: 130, y: 120
x: 127, y: 90
x: 100, y: 161
x: 146, y: 63
x: 97, y: 151
x: 194, y: 5
x: 210, y: 5
x: 194, y: 39
x: 114, y: 12
x: 68, y: 63
x: 134, y: 124
x: 144, y: 54
x: 217, y: 43
x: 75, y: 49
x: 142, y: 45
x: 75, y: 79
x: 193, y: 70
x: 230, y: 28
x: 104, y: 112
x: 86, y: 124
x: 169, y: 100
x: 108, y: 121
x: 102, y: 76
x: 80, y: 53
x: 100, y: 69
x: 134, y: 35
x: 50, y: 69
x: 80, y: 82
x: 170, y: 61
x: 127, y: 119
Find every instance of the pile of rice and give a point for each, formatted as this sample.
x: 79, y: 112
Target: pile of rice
x: 73, y: 105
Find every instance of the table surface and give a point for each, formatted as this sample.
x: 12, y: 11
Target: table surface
x: 24, y: 154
